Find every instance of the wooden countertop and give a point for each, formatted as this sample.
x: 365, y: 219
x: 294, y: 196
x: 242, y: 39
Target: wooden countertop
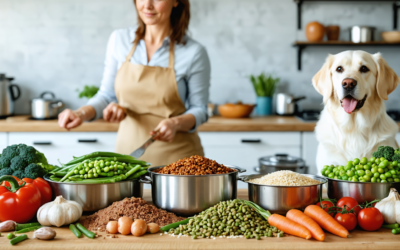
x: 270, y: 123
x: 382, y: 239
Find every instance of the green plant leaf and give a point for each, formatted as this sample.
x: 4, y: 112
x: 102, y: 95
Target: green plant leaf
x: 264, y: 85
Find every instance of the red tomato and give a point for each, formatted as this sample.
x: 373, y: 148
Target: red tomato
x: 349, y: 221
x: 326, y: 205
x: 370, y: 219
x: 350, y: 203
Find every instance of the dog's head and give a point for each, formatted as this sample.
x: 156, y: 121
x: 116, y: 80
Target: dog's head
x: 351, y: 77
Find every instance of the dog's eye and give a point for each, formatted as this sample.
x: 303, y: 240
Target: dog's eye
x: 339, y: 69
x: 364, y: 69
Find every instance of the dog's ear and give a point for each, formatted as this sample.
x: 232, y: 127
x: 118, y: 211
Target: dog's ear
x: 322, y: 81
x: 387, y: 79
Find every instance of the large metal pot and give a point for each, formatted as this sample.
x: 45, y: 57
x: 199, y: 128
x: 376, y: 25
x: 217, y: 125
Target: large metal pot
x: 94, y: 197
x: 190, y: 194
x: 361, y: 191
x: 9, y: 93
x: 362, y: 34
x: 280, y: 199
x: 286, y: 104
x: 270, y: 164
x: 44, y: 107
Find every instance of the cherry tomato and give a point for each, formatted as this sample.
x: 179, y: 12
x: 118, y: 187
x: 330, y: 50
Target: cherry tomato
x: 349, y: 221
x: 370, y: 219
x: 350, y: 203
x: 326, y: 205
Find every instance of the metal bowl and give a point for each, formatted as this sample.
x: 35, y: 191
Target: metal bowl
x: 190, y: 194
x: 94, y: 197
x: 361, y: 191
x: 280, y: 199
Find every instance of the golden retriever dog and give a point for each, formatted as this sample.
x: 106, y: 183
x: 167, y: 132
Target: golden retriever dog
x: 353, y: 123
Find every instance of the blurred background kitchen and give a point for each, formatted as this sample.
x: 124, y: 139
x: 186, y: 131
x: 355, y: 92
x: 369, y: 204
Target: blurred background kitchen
x: 59, y: 46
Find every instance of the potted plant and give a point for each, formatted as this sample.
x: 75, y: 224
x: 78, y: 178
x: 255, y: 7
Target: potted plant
x: 88, y: 91
x: 265, y: 86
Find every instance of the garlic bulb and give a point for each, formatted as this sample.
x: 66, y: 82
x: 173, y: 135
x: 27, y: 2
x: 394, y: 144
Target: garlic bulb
x: 59, y: 212
x: 390, y: 207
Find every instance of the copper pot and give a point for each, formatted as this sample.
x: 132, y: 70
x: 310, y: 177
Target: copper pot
x: 315, y: 32
x: 333, y: 32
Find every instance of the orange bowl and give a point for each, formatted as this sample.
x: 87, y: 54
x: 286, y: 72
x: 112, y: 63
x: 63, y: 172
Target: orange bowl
x: 230, y: 110
x: 391, y: 36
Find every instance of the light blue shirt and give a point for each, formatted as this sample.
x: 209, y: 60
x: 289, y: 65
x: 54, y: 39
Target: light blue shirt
x: 192, y: 71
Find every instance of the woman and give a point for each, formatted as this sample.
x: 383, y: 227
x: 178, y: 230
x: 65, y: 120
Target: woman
x: 152, y: 73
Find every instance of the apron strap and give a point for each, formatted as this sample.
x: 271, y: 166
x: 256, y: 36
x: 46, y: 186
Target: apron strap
x: 129, y: 56
x: 171, y: 55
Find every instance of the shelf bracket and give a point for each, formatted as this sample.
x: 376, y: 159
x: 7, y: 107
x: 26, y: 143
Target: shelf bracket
x: 396, y: 8
x: 299, y: 4
x: 299, y: 55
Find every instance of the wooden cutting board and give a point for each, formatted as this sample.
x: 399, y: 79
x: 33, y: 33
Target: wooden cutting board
x: 382, y: 239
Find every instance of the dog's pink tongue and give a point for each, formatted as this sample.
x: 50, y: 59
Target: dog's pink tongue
x: 349, y: 104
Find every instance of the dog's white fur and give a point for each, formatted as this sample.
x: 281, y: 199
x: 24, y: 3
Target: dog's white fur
x: 342, y: 136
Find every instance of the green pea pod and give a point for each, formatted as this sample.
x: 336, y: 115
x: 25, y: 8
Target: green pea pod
x: 75, y: 230
x: 18, y: 239
x: 174, y: 225
x: 391, y: 226
x: 86, y: 232
x: 28, y: 225
x: 28, y: 229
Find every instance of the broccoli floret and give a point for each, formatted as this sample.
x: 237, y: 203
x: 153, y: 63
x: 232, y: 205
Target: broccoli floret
x: 34, y: 171
x: 4, y: 162
x: 396, y: 156
x: 6, y: 171
x: 19, y: 174
x: 10, y: 152
x: 18, y: 163
x: 28, y: 153
x: 386, y: 152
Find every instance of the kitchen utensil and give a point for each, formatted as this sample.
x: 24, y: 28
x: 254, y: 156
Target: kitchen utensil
x: 361, y: 191
x: 333, y: 32
x: 190, y: 194
x: 315, y: 32
x: 44, y: 107
x: 270, y: 164
x: 280, y: 199
x: 94, y: 197
x: 9, y: 93
x: 140, y: 151
x: 362, y: 34
x: 391, y: 36
x: 286, y: 103
x: 238, y: 110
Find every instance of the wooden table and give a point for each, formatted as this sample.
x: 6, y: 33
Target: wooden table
x: 382, y: 239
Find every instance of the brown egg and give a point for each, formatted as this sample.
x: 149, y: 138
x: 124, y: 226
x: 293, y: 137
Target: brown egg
x: 315, y: 32
x: 112, y: 227
x: 153, y: 228
x: 139, y: 228
x: 124, y: 225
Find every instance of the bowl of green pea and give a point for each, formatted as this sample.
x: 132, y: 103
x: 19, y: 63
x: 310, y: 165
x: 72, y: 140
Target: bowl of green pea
x: 362, y: 179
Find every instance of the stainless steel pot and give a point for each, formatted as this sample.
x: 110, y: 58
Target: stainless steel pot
x: 361, y: 191
x: 94, y: 197
x: 190, y: 194
x: 286, y: 104
x: 44, y: 107
x: 270, y: 164
x: 9, y: 93
x: 280, y: 199
x: 362, y: 34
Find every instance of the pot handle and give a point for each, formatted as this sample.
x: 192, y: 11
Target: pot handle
x: 13, y: 95
x: 240, y: 170
x: 242, y: 177
x: 146, y: 180
x: 48, y: 92
x: 294, y: 100
x: 57, y: 104
x: 256, y: 169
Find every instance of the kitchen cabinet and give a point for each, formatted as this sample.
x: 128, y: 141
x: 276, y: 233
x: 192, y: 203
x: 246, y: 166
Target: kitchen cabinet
x: 309, y: 151
x: 3, y: 140
x: 63, y: 145
x: 243, y: 149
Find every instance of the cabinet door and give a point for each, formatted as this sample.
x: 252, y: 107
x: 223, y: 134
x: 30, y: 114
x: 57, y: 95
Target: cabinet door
x: 64, y: 145
x: 309, y: 151
x: 3, y: 140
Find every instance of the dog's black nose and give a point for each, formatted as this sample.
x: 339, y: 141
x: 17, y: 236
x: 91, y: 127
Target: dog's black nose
x: 349, y: 84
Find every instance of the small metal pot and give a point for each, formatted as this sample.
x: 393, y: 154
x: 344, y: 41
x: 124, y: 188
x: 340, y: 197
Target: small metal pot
x: 270, y: 164
x: 190, y: 194
x: 361, y: 191
x: 362, y: 34
x: 94, y: 197
x: 45, y: 108
x: 286, y: 104
x: 280, y: 199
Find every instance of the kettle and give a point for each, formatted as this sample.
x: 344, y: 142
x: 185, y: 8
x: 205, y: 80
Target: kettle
x: 286, y: 104
x: 8, y: 94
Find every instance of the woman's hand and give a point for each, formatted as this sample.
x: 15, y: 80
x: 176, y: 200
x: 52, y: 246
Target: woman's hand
x: 114, y: 113
x: 166, y: 130
x: 69, y: 119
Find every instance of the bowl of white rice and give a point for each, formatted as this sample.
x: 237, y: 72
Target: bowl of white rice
x: 283, y: 190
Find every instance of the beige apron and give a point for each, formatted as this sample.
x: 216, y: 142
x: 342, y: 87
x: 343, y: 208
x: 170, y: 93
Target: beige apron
x: 150, y: 94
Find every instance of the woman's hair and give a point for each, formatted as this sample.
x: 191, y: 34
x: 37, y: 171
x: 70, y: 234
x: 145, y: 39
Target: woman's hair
x: 180, y: 17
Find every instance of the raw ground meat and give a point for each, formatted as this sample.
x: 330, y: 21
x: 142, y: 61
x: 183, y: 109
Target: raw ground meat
x: 134, y: 208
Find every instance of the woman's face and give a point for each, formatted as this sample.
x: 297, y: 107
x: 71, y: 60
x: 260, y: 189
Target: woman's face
x: 154, y: 12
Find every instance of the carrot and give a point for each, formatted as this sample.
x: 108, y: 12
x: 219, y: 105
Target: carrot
x: 298, y: 217
x: 288, y: 226
x: 326, y: 221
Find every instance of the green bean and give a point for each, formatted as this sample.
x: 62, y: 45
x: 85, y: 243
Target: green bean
x: 71, y: 172
x: 396, y: 231
x: 133, y: 170
x: 391, y: 226
x: 18, y: 239
x: 60, y: 174
x: 86, y: 232
x: 53, y: 178
x: 28, y: 229
x: 27, y: 225
x: 137, y: 175
x: 75, y: 231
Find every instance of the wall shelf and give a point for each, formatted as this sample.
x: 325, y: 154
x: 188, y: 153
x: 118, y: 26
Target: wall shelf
x: 301, y: 45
